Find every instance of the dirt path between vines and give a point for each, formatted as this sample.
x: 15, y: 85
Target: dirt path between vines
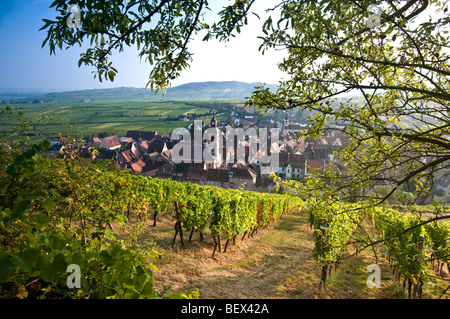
x: 276, y: 262
x: 265, y: 265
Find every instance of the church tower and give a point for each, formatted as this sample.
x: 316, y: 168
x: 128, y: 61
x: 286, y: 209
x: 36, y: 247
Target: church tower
x: 286, y: 121
x: 215, y: 145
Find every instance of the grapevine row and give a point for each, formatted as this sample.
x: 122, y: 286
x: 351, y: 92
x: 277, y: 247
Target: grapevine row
x: 334, y: 225
x: 410, y: 244
x: 56, y: 212
x: 226, y: 212
x: 409, y: 241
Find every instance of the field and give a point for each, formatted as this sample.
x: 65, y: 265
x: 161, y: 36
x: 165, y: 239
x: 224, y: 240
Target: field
x: 82, y: 119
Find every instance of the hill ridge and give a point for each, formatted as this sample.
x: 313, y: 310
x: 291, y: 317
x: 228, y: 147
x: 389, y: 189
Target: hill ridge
x: 200, y: 91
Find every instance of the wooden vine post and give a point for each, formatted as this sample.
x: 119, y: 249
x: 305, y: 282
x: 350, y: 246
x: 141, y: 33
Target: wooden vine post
x: 178, y: 228
x: 323, y: 242
x: 417, y: 289
x: 155, y: 213
x: 216, y: 238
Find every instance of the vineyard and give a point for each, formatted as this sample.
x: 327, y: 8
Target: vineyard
x: 413, y: 243
x: 57, y: 212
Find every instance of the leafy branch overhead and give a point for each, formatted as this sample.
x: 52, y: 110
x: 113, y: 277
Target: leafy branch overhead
x: 386, y: 84
x: 160, y: 30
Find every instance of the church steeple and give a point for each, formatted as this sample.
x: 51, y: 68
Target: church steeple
x: 213, y: 121
x: 286, y: 121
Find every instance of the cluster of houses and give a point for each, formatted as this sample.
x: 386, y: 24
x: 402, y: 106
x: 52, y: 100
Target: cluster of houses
x: 150, y: 154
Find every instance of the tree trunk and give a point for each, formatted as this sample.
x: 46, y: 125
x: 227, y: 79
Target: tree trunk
x: 181, y: 233
x: 176, y: 233
x: 215, y: 246
x: 154, y: 218
x: 226, y: 245
x: 190, y: 235
x: 323, y: 277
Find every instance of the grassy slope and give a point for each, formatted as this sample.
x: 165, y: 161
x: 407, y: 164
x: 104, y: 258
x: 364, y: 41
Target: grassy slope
x: 82, y: 119
x: 275, y: 263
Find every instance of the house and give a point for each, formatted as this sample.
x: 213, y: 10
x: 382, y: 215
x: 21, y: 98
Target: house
x: 178, y: 171
x: 320, y: 166
x: 125, y: 158
x: 153, y: 157
x: 151, y: 173
x: 138, y: 166
x: 141, y: 135
x: 241, y: 177
x: 195, y: 173
x: 104, y: 153
x: 166, y: 156
x: 292, y: 166
x: 217, y: 177
x: 55, y: 149
x: 248, y: 123
x: 294, y: 128
x: 165, y: 171
x: 111, y: 142
x: 157, y: 145
x: 144, y: 145
x: 298, y: 165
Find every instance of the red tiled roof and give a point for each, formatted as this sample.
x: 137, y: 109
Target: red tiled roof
x: 127, y: 155
x: 128, y: 140
x: 136, y: 167
x: 151, y: 173
x: 144, y: 145
x: 112, y: 141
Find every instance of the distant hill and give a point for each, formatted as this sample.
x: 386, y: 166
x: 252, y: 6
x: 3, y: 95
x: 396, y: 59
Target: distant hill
x: 199, y: 91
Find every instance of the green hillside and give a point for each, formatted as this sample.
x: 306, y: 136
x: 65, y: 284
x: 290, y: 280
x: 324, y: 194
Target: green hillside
x: 199, y: 91
x: 85, y: 119
x: 116, y: 110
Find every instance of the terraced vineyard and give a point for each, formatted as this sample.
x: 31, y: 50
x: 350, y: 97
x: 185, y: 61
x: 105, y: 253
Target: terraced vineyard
x: 119, y: 228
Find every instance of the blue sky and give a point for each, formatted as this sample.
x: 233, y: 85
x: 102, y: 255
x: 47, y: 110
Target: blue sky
x: 24, y: 65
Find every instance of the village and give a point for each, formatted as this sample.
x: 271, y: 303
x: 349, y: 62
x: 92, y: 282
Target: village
x: 150, y: 154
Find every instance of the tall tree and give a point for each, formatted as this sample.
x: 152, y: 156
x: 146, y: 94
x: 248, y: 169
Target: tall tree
x: 393, y: 57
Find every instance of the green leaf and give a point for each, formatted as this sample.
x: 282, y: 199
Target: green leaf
x: 147, y: 291
x: 76, y: 258
x: 176, y: 296
x: 42, y: 221
x: 26, y: 260
x: 52, y: 270
x: 49, y: 206
x: 21, y: 209
x: 6, y: 267
x: 56, y: 242
x: 106, y: 258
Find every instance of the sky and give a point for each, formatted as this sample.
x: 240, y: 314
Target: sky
x: 24, y: 65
